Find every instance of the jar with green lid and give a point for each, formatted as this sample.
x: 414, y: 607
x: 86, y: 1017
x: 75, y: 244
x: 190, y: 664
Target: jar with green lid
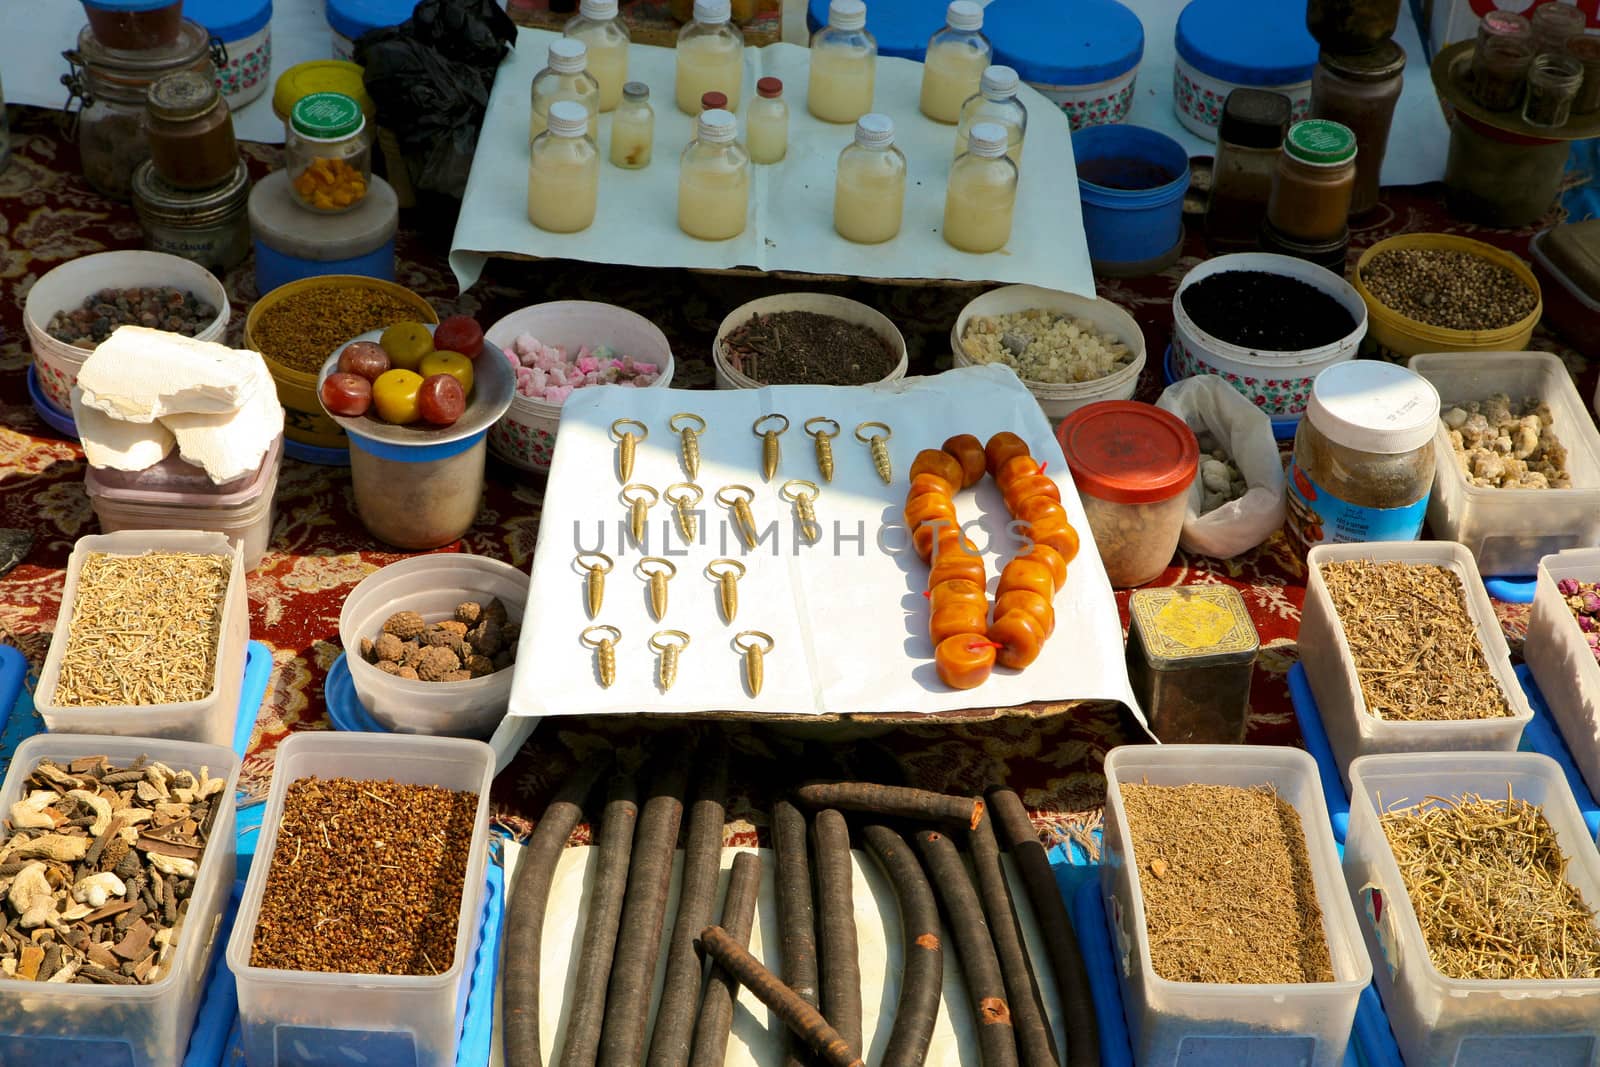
x: 327, y: 153
x: 1191, y: 650
x: 1360, y: 91
x: 1314, y: 182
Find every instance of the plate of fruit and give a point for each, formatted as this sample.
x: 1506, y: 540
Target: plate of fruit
x: 417, y: 384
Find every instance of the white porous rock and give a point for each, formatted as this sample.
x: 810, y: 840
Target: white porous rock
x: 141, y: 375
x: 233, y: 444
x: 96, y: 889
x: 1214, y: 475
x: 114, y: 444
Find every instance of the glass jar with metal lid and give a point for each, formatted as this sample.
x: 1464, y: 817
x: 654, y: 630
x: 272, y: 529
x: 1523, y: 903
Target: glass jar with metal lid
x: 1361, y: 91
x: 210, y: 227
x: 112, y: 86
x: 327, y: 152
x: 190, y: 131
x: 1191, y: 650
x: 1316, y: 176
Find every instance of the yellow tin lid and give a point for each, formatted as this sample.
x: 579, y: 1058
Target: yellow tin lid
x: 320, y: 76
x: 1192, y: 626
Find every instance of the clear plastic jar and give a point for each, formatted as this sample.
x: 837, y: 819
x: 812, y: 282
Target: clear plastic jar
x: 190, y: 131
x: 767, y: 123
x: 955, y: 61
x: 1361, y: 91
x: 981, y: 196
x: 328, y: 153
x: 996, y: 101
x: 422, y: 502
x: 1249, y: 140
x: 1363, y: 456
x: 709, y: 57
x: 565, y: 77
x: 1499, y: 72
x: 633, y: 128
x: 1554, y: 24
x: 844, y: 65
x: 1316, y: 176
x: 869, y: 192
x: 714, y: 180
x: 606, y: 36
x: 135, y: 25
x: 1133, y: 464
x: 1553, y: 83
x: 564, y: 172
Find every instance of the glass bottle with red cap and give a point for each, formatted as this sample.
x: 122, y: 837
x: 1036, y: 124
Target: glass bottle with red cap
x: 767, y: 123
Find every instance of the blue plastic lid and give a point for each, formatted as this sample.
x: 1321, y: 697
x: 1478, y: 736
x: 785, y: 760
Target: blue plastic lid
x: 352, y: 18
x: 1246, y: 42
x: 901, y: 27
x: 229, y: 20
x: 128, y: 5
x: 1081, y: 43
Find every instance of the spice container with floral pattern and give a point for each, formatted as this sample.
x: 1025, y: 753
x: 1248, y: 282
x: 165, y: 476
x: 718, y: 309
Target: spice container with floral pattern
x: 327, y: 152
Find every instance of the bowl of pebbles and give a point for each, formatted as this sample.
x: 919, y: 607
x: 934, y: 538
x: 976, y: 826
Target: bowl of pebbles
x: 1434, y: 292
x: 806, y: 339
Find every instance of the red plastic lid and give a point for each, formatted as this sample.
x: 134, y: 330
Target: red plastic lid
x: 713, y: 100
x: 1129, y: 453
x: 769, y: 87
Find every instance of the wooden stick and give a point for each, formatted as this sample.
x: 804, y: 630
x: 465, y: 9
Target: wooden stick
x: 1016, y: 832
x: 796, y: 917
x: 895, y: 801
x: 1036, y: 1045
x: 804, y: 1021
x: 836, y: 921
x: 530, y: 895
x: 997, y: 1043
x: 670, y: 1044
x: 716, y: 1007
x: 922, y: 981
x: 588, y: 998
x: 644, y: 909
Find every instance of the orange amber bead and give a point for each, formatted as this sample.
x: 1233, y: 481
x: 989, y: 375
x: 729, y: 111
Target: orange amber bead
x: 1041, y: 509
x: 1030, y: 602
x: 927, y: 508
x: 930, y: 483
x: 959, y: 618
x: 957, y: 591
x: 964, y: 661
x: 1057, y: 535
x: 1026, y: 574
x: 1014, y: 468
x: 1001, y: 447
x: 1025, y: 488
x: 937, y: 461
x: 946, y: 536
x: 950, y: 566
x: 968, y: 451
x: 1043, y: 553
x: 1020, y: 637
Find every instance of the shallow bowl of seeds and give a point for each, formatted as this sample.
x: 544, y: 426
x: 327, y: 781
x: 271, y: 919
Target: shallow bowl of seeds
x: 807, y: 339
x: 1436, y: 292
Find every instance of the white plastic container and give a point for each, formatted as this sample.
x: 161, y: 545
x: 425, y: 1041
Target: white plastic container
x: 67, y: 286
x: 1561, y: 661
x: 349, y: 1019
x: 730, y: 377
x: 177, y: 495
x: 124, y: 1025
x: 1061, y: 399
x: 1277, y: 382
x: 1445, y: 1022
x: 210, y: 720
x: 431, y: 586
x: 525, y: 436
x: 1200, y: 1024
x: 1509, y: 530
x: 1325, y: 654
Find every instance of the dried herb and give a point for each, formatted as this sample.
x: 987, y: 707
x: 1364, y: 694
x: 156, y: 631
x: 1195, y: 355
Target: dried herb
x: 1488, y: 882
x: 144, y: 629
x: 1228, y: 893
x: 807, y: 348
x: 301, y: 330
x: 1266, y: 312
x: 1415, y: 647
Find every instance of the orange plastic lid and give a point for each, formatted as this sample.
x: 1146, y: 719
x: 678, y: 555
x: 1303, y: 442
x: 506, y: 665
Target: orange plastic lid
x: 1129, y: 453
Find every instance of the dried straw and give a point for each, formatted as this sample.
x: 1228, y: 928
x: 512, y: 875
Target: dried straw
x: 1411, y: 636
x: 145, y: 629
x: 1488, y: 882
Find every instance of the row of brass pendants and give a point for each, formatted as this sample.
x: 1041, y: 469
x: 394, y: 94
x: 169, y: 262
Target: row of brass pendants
x: 668, y: 645
x: 656, y: 572
x: 628, y: 433
x: 686, y: 496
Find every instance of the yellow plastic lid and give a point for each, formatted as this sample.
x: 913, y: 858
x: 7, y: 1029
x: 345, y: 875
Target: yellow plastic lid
x: 320, y: 76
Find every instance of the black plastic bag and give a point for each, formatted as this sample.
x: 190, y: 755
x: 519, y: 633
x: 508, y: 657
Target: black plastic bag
x: 475, y: 32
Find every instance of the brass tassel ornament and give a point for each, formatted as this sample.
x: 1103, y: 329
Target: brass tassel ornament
x: 726, y: 573
x: 603, y: 639
x: 627, y: 445
x: 595, y: 566
x: 879, y: 444
x: 737, y: 498
x: 640, y: 498
x: 669, y: 651
x: 770, y: 451
x: 656, y: 571
x: 684, y: 497
x: 754, y: 645
x: 795, y: 490
x: 823, y: 438
x: 688, y: 426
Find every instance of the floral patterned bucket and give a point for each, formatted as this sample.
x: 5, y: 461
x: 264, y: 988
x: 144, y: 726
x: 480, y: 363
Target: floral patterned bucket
x: 1101, y: 104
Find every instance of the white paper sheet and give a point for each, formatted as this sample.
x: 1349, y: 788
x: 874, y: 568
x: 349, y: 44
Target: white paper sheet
x: 791, y: 214
x: 757, y: 1039
x: 848, y: 615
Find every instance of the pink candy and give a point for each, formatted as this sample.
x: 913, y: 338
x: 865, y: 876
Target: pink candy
x: 546, y: 372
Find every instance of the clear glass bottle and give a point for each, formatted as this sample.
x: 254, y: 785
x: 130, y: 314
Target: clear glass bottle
x: 714, y: 180
x: 955, y: 61
x: 1361, y: 91
x: 1553, y: 82
x: 869, y: 190
x: 844, y: 65
x: 1316, y: 176
x: 565, y: 77
x: 996, y: 101
x: 1249, y: 139
x: 982, y: 193
x: 633, y: 128
x: 1500, y: 59
x: 606, y: 36
x: 1554, y: 24
x: 327, y: 152
x: 564, y: 171
x: 710, y: 56
x: 767, y: 123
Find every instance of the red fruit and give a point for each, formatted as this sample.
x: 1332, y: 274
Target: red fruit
x: 346, y: 395
x: 366, y: 358
x: 441, y: 400
x: 459, y: 333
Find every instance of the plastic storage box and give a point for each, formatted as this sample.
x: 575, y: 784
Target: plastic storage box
x: 1562, y: 662
x: 1352, y: 731
x: 349, y: 1020
x: 1444, y: 1022
x: 176, y: 495
x: 1213, y: 1025
x: 210, y: 720
x: 1570, y: 305
x: 1509, y: 530
x: 71, y: 1025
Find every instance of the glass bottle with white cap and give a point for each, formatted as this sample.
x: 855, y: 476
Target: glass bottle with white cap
x: 844, y: 64
x: 956, y: 58
x: 633, y: 128
x: 564, y: 171
x: 714, y: 180
x: 767, y: 123
x: 982, y: 193
x: 598, y: 26
x: 710, y: 57
x: 566, y: 77
x: 995, y: 101
x: 869, y: 192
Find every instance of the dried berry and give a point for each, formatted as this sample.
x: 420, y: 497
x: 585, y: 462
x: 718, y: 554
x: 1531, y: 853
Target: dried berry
x: 405, y: 625
x: 448, y: 650
x: 468, y: 613
x: 388, y: 647
x: 435, y: 663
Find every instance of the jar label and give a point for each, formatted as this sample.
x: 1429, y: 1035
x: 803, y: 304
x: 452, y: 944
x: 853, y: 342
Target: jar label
x: 1317, y: 517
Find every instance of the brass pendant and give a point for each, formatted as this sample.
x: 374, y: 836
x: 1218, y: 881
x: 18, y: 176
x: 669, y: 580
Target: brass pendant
x: 770, y: 452
x: 640, y: 498
x: 603, y: 639
x: 688, y: 426
x: 879, y: 444
x: 669, y: 651
x: 594, y: 582
x: 627, y: 445
x: 823, y: 438
x: 656, y: 572
x: 754, y: 645
x: 726, y: 573
x: 684, y: 496
x: 803, y: 494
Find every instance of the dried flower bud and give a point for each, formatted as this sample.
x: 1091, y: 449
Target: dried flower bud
x: 1567, y: 586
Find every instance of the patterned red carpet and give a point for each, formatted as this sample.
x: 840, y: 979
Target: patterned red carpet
x: 319, y: 549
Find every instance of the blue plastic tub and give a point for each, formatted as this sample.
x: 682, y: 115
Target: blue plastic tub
x: 274, y: 268
x: 58, y: 420
x: 349, y: 19
x: 1130, y: 225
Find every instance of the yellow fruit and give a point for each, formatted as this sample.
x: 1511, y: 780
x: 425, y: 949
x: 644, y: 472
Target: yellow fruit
x: 454, y: 364
x: 394, y: 395
x: 406, y: 343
